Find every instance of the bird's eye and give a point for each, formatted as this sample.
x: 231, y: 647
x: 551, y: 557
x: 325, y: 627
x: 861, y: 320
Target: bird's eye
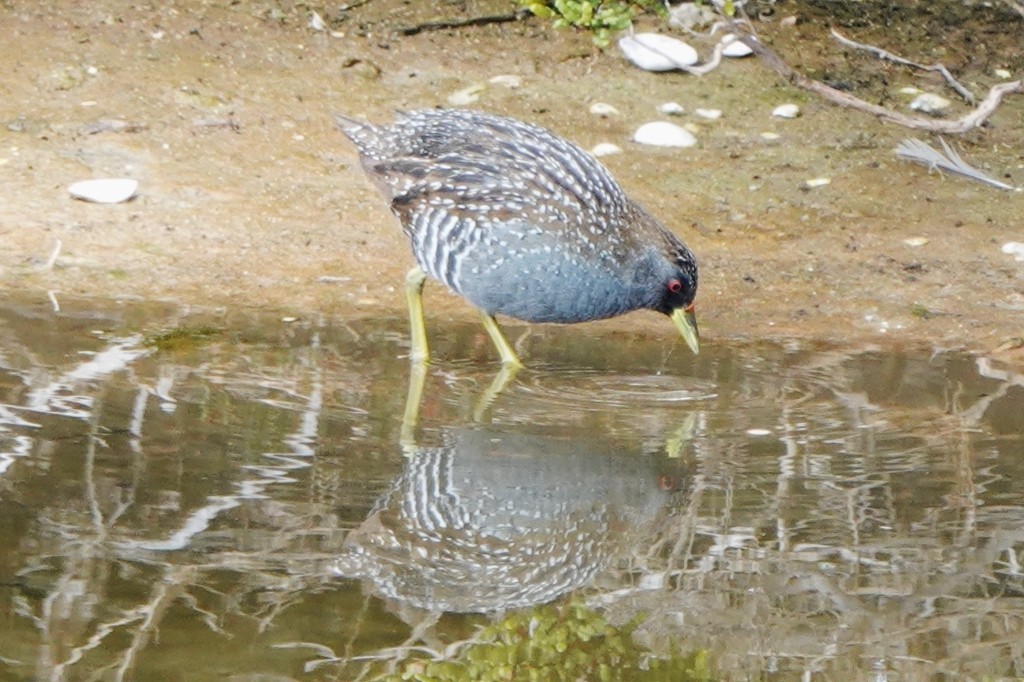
x: 675, y: 286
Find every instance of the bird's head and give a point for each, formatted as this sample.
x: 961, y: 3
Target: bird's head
x: 676, y: 289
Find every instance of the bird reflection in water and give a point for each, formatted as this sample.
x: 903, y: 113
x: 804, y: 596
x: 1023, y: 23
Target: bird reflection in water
x: 492, y: 520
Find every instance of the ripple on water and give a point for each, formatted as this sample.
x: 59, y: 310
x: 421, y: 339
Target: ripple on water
x: 597, y: 390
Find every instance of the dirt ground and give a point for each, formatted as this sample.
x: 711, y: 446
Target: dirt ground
x: 249, y: 196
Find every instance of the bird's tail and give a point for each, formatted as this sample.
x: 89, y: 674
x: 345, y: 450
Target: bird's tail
x: 362, y: 134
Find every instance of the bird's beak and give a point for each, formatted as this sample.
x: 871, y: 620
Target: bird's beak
x: 685, y: 321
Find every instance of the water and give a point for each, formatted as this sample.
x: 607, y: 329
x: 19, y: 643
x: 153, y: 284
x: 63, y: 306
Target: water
x: 253, y: 506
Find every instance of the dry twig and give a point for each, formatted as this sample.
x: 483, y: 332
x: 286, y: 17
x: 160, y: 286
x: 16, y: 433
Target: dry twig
x: 955, y: 126
x: 462, y: 23
x: 952, y: 82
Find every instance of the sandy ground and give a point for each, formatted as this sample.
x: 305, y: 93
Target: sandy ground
x: 250, y: 197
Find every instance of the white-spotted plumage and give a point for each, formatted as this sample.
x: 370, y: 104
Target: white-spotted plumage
x: 519, y: 220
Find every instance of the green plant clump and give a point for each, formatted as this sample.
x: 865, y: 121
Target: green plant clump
x: 555, y: 644
x: 601, y: 17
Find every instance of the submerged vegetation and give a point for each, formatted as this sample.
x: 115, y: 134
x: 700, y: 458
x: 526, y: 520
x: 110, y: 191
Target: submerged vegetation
x: 182, y: 338
x: 558, y: 642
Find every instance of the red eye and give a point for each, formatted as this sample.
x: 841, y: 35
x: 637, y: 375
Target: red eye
x: 675, y: 286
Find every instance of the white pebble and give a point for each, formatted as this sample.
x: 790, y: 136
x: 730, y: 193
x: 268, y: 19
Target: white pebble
x: 1015, y: 249
x: 771, y: 137
x: 655, y: 52
x: 910, y: 90
x: 508, y: 80
x: 606, y: 149
x: 671, y: 108
x: 466, y: 95
x: 786, y: 111
x: 104, y: 190
x: 929, y: 103
x: 816, y: 182
x: 664, y: 134
x: 710, y: 114
x: 758, y: 432
x: 734, y: 48
x: 1003, y: 73
x: 916, y: 241
x: 602, y: 109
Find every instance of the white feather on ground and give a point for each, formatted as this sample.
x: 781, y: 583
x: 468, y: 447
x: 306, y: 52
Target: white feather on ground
x: 917, y: 151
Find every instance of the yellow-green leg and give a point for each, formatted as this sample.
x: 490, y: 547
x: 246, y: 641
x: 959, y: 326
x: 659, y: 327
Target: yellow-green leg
x: 414, y: 281
x: 417, y: 379
x: 508, y: 356
x: 504, y: 378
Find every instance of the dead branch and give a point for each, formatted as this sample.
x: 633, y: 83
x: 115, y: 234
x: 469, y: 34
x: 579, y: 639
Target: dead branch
x: 710, y: 65
x: 952, y: 82
x: 950, y: 127
x: 462, y: 23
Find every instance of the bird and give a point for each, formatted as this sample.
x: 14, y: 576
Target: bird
x: 520, y: 222
x: 490, y: 520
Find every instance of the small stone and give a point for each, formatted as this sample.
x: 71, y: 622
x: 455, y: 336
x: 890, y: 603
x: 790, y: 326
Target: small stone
x: 1015, y: 249
x: 788, y: 21
x: 466, y: 96
x: 930, y: 103
x: 690, y: 15
x: 316, y: 22
x: 816, y: 182
x: 710, y: 114
x: 734, y: 48
x: 916, y: 241
x: 602, y: 109
x: 671, y: 108
x: 759, y: 432
x: 1003, y: 73
x: 910, y: 90
x: 664, y: 134
x: 606, y: 149
x: 104, y: 190
x: 771, y: 137
x: 786, y: 111
x: 509, y: 81
x: 655, y: 52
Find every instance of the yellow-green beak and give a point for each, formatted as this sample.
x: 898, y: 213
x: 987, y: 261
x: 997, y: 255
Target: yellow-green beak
x: 685, y: 321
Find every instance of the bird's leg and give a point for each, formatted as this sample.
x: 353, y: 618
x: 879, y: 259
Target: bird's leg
x: 411, y: 416
x: 504, y: 378
x: 414, y: 281
x: 508, y: 356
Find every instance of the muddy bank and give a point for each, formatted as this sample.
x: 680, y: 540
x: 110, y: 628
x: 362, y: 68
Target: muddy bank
x: 249, y: 197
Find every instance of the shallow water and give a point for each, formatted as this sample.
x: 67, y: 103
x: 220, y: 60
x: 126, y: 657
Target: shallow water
x: 254, y: 506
